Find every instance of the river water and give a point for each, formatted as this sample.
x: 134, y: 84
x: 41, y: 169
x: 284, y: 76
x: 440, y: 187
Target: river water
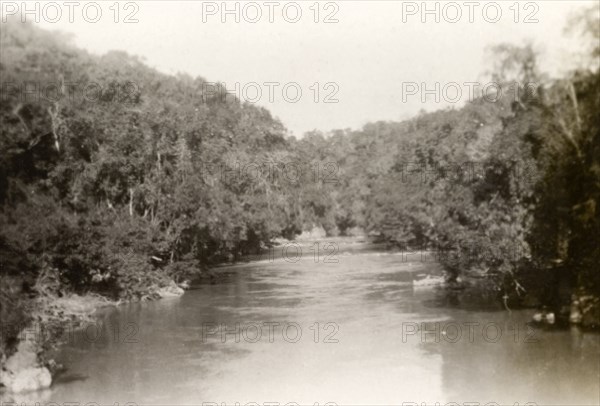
x: 306, y: 329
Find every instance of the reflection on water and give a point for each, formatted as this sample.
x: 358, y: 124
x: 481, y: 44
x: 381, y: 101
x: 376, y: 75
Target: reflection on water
x: 353, y: 332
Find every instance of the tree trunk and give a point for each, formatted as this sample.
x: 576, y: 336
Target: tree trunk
x: 130, y: 202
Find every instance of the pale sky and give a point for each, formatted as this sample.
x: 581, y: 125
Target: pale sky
x: 370, y: 55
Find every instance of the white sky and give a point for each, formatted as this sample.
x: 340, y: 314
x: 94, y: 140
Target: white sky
x: 369, y: 53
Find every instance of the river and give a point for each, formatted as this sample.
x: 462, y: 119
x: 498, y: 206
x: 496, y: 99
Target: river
x: 306, y: 329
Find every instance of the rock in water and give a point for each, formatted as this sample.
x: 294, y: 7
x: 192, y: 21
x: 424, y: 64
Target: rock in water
x: 316, y: 233
x: 429, y: 280
x: 170, y: 291
x: 574, y: 314
x: 22, y: 370
x: 30, y: 379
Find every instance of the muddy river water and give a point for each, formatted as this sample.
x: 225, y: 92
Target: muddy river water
x: 345, y: 326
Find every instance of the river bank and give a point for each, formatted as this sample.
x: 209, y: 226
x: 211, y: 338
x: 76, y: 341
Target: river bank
x: 26, y: 366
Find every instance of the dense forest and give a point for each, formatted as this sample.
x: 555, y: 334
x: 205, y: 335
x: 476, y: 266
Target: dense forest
x: 117, y: 180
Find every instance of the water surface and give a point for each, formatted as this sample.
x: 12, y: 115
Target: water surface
x: 380, y: 341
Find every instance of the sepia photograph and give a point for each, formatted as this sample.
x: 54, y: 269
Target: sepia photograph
x: 300, y: 203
